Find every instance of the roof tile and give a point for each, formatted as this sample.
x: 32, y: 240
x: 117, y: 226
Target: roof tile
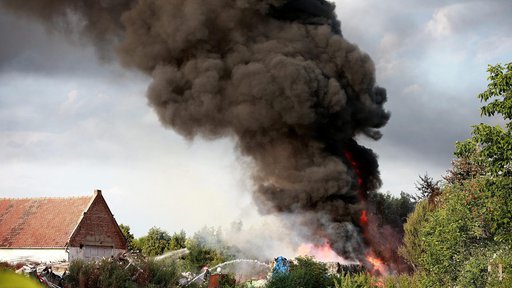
x: 39, y: 222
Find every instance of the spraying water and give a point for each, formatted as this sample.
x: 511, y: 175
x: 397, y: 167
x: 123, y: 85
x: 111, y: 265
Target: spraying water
x: 249, y: 261
x: 173, y: 254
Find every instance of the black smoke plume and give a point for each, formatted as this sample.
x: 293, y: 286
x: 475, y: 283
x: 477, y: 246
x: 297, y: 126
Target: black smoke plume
x: 276, y: 75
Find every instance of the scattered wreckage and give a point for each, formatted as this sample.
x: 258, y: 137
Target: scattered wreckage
x: 45, y: 274
x: 251, y: 272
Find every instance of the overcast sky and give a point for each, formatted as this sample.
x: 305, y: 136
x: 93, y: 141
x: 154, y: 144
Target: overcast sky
x: 70, y: 124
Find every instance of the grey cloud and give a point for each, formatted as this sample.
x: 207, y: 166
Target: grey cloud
x: 428, y: 121
x: 31, y: 48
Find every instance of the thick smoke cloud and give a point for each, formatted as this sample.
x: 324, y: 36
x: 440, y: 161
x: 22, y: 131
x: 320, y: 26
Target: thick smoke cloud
x: 276, y: 75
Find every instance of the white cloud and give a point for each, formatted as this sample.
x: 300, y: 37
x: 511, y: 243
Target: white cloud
x: 492, y: 47
x: 440, y: 25
x: 71, y: 104
x: 412, y: 89
x: 389, y: 43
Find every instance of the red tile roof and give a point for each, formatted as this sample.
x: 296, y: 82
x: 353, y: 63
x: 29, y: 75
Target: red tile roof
x: 40, y: 222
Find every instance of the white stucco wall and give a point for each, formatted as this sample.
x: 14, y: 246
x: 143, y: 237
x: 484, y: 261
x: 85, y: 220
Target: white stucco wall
x: 93, y: 252
x: 44, y: 255
x: 58, y: 254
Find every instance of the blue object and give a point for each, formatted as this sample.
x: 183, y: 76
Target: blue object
x: 281, y: 266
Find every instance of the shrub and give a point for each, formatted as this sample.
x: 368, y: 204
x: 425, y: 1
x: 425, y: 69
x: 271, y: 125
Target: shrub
x: 163, y: 274
x: 361, y: 280
x: 307, y: 273
x: 103, y: 274
x: 405, y: 281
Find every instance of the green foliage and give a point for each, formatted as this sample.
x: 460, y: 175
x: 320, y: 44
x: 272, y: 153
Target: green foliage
x: 412, y: 248
x: 446, y: 236
x: 427, y: 187
x: 469, y: 163
x: 163, y: 273
x: 138, y: 244
x: 473, y: 269
x: 103, y: 274
x: 491, y: 146
x: 206, y: 247
x: 361, y: 280
x: 127, y: 235
x: 155, y: 242
x: 177, y: 241
x: 405, y: 281
x: 307, y: 273
x: 468, y: 228
x: 452, y: 242
x: 392, y: 210
x: 76, y: 269
x: 502, y: 256
x: 499, y: 90
x: 107, y: 273
x: 112, y: 274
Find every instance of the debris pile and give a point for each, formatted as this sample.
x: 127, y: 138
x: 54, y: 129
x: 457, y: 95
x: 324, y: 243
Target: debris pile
x: 46, y: 274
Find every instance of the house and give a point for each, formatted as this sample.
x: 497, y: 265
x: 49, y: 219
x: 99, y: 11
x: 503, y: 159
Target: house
x: 58, y: 229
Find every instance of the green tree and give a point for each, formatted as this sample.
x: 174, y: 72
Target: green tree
x: 155, y: 242
x: 138, y: 243
x: 177, y: 241
x: 491, y: 146
x: 391, y: 210
x: 428, y: 188
x: 469, y: 227
x: 127, y: 235
x: 206, y: 247
x: 412, y: 248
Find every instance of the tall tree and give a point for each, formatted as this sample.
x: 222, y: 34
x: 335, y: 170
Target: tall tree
x: 491, y: 146
x: 428, y: 188
x: 127, y: 235
x: 155, y: 242
x: 177, y: 241
x: 470, y: 226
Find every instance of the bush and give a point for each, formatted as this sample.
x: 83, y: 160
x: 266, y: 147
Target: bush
x: 163, y: 274
x: 361, y: 280
x: 111, y: 274
x: 307, y: 273
x: 78, y: 269
x: 406, y: 281
x: 103, y: 274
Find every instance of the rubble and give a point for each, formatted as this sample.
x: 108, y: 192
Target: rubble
x: 45, y: 273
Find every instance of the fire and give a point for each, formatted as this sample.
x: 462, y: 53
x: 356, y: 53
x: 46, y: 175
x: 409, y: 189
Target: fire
x: 377, y: 265
x: 354, y: 164
x: 363, y: 220
x: 379, y: 268
x: 322, y: 253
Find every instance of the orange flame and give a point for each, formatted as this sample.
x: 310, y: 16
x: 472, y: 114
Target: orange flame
x: 377, y: 265
x: 323, y: 253
x: 379, y: 268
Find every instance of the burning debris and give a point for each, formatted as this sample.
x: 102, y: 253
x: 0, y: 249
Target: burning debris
x: 276, y: 75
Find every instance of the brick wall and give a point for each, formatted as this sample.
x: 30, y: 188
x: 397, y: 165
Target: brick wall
x: 98, y: 227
